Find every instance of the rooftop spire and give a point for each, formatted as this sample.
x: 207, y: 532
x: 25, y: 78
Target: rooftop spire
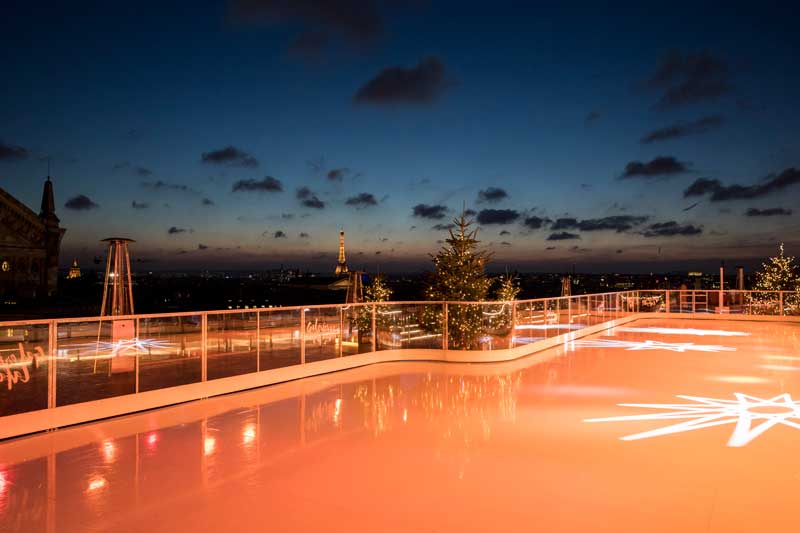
x: 48, y: 212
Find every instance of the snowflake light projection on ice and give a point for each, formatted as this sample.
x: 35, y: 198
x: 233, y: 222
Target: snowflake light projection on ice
x: 752, y: 416
x: 652, y: 345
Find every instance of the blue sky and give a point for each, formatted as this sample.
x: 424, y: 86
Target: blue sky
x: 414, y: 103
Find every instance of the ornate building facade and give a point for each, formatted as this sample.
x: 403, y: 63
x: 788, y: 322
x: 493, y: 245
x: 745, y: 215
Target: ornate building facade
x: 29, y: 247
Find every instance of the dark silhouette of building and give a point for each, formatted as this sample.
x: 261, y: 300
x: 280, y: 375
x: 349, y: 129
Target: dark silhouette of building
x: 29, y: 247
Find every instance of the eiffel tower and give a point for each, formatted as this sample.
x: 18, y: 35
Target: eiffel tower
x: 341, y: 265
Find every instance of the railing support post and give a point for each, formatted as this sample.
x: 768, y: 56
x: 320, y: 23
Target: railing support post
x: 204, y: 347
x: 374, y: 328
x: 666, y: 302
x: 136, y: 361
x: 445, y: 340
x: 513, y: 324
x: 258, y: 341
x: 302, y: 336
x: 780, y: 299
x: 52, y: 343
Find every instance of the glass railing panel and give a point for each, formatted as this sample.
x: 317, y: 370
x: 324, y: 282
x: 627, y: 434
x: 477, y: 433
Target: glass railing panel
x: 764, y: 303
x: 24, y: 364
x: 170, y: 351
x: 279, y: 338
x: 530, y: 322
x: 231, y: 344
x: 96, y: 360
x: 791, y: 303
x: 323, y: 333
x: 356, y: 329
x: 652, y: 301
x: 409, y: 326
x: 496, y: 325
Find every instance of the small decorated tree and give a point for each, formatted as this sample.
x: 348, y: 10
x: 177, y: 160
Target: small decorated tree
x: 502, y: 317
x: 376, y: 291
x: 779, y: 273
x: 459, y: 276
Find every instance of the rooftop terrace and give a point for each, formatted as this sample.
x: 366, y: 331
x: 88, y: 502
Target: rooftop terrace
x: 633, y: 411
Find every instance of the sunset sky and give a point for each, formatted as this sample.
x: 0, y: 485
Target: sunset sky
x: 245, y: 134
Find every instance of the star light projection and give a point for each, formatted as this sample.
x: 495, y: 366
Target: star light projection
x: 752, y: 415
x: 652, y: 345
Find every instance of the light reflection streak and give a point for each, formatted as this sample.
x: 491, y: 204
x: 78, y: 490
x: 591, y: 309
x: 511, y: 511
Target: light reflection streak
x: 249, y: 434
x: 109, y: 450
x: 96, y: 483
x: 550, y: 326
x: 208, y: 445
x: 686, y: 331
x: 780, y: 368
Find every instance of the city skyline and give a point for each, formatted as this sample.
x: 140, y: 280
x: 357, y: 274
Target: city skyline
x: 245, y: 134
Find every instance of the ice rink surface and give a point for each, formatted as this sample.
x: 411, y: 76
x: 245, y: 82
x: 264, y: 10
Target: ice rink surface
x: 674, y: 425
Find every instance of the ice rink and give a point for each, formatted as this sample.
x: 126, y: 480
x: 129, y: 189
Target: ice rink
x: 670, y: 425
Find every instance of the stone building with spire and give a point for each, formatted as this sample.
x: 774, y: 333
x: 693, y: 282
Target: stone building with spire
x: 29, y: 247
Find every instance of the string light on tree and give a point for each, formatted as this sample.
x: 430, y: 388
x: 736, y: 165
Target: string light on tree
x: 779, y: 273
x: 459, y: 276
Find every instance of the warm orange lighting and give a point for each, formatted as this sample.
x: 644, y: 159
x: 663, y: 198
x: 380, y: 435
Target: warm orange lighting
x: 109, y: 450
x: 152, y: 439
x: 209, y: 444
x: 337, y: 411
x: 405, y: 416
x: 3, y: 482
x: 97, y: 483
x: 249, y: 434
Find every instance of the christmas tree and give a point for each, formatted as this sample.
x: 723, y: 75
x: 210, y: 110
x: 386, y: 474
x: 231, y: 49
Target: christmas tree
x: 459, y: 276
x: 779, y: 273
x: 376, y: 291
x: 502, y: 318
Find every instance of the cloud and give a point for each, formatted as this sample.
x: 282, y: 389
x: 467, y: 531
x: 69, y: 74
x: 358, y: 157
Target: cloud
x: 434, y: 212
x: 422, y: 84
x: 357, y: 22
x: 208, y: 201
x: 304, y: 235
x: 619, y: 251
x: 689, y: 78
x: 671, y: 229
x: 229, y: 156
x: 309, y: 199
x: 202, y: 247
x: 592, y: 117
x: 618, y: 223
x: 363, y: 199
x: 10, y: 152
x: 470, y: 212
x: 723, y: 193
x: 497, y: 216
x: 139, y: 205
x: 279, y: 235
x: 565, y: 223
x: 491, y: 195
x: 138, y: 169
x: 337, y: 174
x: 268, y: 184
x: 80, y: 203
x: 505, y: 232
x: 660, y: 166
x: 175, y: 230
x: 443, y: 227
x: 562, y: 236
x: 550, y: 248
x: 769, y: 212
x: 162, y: 186
x: 534, y: 222
x: 682, y: 129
